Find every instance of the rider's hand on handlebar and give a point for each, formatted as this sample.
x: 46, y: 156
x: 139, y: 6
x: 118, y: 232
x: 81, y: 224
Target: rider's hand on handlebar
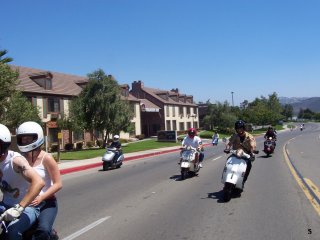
x: 12, y: 213
x: 252, y: 157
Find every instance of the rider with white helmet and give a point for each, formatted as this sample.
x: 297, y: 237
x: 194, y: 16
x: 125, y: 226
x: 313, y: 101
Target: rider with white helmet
x: 20, y: 184
x: 30, y: 138
x: 117, y: 145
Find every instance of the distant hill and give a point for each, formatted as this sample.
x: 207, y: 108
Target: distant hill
x: 297, y: 103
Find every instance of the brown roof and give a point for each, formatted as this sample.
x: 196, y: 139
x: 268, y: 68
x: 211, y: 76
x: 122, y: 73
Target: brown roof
x: 154, y: 92
x: 149, y: 104
x: 62, y: 84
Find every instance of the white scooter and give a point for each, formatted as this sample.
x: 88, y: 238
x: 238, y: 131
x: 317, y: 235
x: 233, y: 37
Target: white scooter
x: 233, y: 172
x: 188, y: 164
x: 108, y: 160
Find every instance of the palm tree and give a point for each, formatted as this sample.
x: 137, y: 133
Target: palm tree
x: 4, y: 59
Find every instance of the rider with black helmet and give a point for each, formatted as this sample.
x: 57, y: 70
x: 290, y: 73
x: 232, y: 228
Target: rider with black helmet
x: 245, y: 141
x: 270, y: 133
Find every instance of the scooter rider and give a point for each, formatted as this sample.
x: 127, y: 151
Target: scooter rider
x: 245, y: 141
x: 20, y: 184
x: 30, y: 138
x: 194, y: 141
x: 117, y: 145
x: 270, y: 133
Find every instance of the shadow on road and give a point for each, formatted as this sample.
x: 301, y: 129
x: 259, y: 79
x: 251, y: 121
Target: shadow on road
x: 217, y: 195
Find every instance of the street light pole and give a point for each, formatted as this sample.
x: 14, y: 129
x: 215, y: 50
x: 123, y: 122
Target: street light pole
x: 232, y: 99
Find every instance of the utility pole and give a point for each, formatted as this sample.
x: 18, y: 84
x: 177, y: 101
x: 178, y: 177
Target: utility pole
x: 232, y: 99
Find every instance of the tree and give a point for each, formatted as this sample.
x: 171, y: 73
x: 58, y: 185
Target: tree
x: 20, y: 110
x: 287, y: 111
x: 8, y: 83
x: 263, y: 111
x: 4, y: 59
x: 306, y: 114
x: 100, y: 107
x: 220, y: 115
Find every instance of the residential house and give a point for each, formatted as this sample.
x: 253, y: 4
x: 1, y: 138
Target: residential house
x: 165, y: 110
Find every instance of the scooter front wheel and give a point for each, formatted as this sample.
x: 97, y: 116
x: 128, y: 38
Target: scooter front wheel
x: 227, y: 191
x: 184, y: 173
x: 105, y: 166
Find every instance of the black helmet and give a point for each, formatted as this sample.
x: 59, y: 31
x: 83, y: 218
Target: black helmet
x: 239, y: 124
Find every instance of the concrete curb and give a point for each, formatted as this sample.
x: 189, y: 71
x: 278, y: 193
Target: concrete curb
x: 94, y: 165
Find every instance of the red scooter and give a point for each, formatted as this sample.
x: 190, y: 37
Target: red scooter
x: 269, y: 146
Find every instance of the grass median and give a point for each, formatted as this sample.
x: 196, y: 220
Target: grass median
x: 129, y: 148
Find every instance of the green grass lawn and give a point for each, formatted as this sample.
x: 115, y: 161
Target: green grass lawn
x: 131, y: 147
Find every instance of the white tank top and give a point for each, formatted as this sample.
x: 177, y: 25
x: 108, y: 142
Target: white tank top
x: 12, y: 184
x: 42, y: 171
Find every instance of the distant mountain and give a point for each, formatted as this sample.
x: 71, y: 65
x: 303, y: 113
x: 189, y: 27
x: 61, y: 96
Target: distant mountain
x: 297, y: 103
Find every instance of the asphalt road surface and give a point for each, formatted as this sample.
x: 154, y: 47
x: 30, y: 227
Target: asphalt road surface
x: 145, y: 199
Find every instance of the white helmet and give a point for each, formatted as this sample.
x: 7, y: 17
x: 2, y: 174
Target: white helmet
x: 30, y: 129
x: 5, y: 139
x: 116, y: 138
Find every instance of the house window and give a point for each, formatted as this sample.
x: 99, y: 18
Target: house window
x: 173, y: 111
x: 181, y: 126
x: 54, y: 105
x: 168, y: 125
x: 167, y: 111
x: 174, y: 125
x: 181, y: 111
x: 188, y: 110
x: 133, y: 109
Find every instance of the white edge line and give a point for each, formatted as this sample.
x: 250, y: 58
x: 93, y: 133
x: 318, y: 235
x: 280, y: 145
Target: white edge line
x: 216, y: 158
x: 87, y: 228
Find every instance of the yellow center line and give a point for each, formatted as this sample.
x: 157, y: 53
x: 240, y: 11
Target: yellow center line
x: 314, y: 188
x: 313, y: 201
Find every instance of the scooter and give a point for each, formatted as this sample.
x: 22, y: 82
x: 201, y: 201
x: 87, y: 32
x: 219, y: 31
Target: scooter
x: 233, y: 173
x: 269, y: 146
x: 189, y: 165
x: 27, y: 235
x: 108, y: 160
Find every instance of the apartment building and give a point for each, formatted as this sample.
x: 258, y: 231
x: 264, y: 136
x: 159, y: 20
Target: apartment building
x: 51, y: 92
x: 165, y: 110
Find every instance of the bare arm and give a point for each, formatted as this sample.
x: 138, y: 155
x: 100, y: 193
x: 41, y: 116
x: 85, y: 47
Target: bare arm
x: 21, y: 165
x: 52, y: 167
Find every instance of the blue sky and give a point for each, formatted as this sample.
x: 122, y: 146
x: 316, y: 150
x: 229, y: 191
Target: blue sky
x: 206, y: 48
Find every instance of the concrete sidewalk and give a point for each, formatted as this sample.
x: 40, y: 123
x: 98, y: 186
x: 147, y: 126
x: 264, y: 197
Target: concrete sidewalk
x: 69, y: 166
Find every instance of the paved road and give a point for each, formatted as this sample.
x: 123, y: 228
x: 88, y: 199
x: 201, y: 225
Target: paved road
x: 145, y: 200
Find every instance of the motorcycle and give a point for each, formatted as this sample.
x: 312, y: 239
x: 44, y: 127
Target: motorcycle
x: 27, y: 235
x: 188, y: 164
x: 233, y: 173
x: 269, y: 146
x: 109, y: 161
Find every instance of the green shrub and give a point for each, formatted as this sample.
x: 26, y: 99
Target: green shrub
x: 99, y: 143
x: 68, y: 146
x: 54, y: 147
x: 140, y: 137
x: 90, y: 144
x: 79, y: 145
